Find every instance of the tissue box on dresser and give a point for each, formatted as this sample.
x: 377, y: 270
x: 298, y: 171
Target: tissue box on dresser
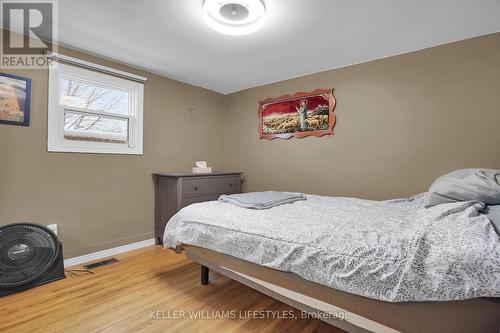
x: 202, y: 170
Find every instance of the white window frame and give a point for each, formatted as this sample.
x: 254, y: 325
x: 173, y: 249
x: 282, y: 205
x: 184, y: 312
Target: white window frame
x: 55, y: 139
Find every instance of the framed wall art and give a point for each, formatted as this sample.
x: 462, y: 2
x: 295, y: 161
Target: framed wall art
x: 15, y: 94
x: 298, y: 115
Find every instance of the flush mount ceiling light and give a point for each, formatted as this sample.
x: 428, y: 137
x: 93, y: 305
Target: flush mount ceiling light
x: 234, y: 17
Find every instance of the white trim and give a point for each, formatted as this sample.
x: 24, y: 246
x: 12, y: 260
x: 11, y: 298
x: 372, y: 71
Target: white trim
x: 97, y: 113
x: 352, y: 318
x: 108, y: 253
x: 99, y: 68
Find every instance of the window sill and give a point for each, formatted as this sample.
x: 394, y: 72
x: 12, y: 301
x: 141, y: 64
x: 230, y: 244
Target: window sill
x: 107, y: 150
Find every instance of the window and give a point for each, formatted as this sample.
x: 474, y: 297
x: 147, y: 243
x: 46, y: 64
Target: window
x: 92, y: 112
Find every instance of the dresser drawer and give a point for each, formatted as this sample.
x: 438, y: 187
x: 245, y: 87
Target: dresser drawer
x: 201, y: 198
x: 213, y: 185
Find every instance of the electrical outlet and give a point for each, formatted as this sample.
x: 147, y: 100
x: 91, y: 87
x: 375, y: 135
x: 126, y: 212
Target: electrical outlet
x: 53, y: 227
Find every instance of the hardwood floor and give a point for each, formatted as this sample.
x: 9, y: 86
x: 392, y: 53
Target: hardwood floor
x: 148, y: 290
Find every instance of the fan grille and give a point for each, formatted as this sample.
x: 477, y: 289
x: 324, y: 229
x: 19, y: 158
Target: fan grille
x: 27, y: 251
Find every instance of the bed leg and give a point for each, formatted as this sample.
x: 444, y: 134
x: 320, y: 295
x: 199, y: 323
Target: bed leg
x: 204, y: 275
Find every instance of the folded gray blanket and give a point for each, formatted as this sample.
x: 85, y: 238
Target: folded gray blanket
x: 261, y: 200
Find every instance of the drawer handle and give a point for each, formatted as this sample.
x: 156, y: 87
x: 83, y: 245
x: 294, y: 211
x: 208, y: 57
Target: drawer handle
x: 196, y: 188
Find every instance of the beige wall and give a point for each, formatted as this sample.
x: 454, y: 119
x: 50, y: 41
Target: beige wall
x: 401, y: 121
x: 102, y: 201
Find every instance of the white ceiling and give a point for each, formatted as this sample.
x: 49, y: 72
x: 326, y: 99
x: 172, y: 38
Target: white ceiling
x: 300, y: 37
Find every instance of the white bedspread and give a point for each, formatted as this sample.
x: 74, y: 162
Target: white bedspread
x: 394, y: 251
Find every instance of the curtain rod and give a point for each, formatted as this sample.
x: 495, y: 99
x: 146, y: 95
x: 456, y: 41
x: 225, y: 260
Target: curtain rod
x: 95, y: 67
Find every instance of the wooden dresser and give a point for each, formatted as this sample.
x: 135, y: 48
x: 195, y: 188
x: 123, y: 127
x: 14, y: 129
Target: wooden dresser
x: 174, y: 191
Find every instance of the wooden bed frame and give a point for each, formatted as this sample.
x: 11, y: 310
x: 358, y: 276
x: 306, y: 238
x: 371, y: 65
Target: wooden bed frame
x: 361, y: 314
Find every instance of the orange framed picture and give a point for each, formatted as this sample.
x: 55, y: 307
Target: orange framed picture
x: 298, y: 115
x: 15, y: 92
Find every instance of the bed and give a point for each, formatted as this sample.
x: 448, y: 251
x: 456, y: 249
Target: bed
x: 391, y: 265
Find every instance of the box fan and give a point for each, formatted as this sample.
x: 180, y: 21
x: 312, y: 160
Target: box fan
x: 30, y: 255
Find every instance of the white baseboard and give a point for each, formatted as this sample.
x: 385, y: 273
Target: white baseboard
x: 108, y: 253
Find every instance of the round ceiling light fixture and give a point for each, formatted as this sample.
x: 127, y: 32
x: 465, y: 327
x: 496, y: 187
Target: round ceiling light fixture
x: 234, y: 17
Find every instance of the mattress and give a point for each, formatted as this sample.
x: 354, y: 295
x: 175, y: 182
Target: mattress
x: 467, y: 316
x: 394, y: 251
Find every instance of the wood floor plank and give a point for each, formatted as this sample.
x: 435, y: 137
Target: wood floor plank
x: 149, y: 290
